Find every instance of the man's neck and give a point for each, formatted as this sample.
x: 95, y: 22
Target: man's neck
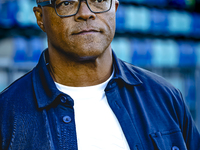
x: 80, y: 73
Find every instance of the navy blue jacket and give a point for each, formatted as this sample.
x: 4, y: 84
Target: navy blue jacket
x: 35, y: 115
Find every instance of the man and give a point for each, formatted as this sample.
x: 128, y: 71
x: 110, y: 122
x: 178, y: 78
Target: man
x: 81, y: 96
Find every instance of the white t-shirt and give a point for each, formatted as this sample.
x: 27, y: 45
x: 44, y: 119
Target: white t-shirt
x: 97, y: 127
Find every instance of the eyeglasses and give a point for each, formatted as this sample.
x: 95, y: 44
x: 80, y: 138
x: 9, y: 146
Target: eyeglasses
x: 66, y: 8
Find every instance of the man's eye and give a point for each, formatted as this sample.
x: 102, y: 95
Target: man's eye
x: 65, y: 3
x: 99, y: 1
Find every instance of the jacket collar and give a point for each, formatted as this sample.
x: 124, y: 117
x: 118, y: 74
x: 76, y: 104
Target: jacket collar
x: 45, y: 88
x: 125, y: 72
x: 43, y: 84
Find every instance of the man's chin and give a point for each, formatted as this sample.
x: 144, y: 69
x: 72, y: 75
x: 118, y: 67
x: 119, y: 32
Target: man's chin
x: 87, y: 58
x: 88, y: 55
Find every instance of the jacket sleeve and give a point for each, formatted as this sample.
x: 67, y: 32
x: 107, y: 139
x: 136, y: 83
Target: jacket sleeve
x: 189, y: 129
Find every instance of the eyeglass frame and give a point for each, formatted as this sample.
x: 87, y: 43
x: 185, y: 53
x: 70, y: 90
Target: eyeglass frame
x: 52, y: 2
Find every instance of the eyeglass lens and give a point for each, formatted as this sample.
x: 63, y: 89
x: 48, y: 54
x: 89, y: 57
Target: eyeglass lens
x: 69, y: 7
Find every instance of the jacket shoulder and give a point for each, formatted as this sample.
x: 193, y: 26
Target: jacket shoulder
x: 148, y: 77
x: 17, y: 89
x: 157, y: 86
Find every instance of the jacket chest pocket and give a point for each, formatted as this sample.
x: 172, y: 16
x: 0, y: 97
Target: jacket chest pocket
x: 168, y: 140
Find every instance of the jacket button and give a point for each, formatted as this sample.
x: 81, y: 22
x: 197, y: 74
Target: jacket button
x: 175, y: 148
x: 63, y: 99
x: 67, y: 119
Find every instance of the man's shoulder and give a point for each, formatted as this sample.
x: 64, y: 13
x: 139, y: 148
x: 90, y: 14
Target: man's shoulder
x: 152, y: 81
x: 145, y: 75
x: 18, y: 88
x: 158, y: 90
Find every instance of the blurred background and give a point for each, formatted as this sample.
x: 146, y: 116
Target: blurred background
x: 162, y: 36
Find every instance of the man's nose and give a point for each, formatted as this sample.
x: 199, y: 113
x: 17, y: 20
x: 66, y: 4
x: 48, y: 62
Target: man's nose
x: 84, y: 12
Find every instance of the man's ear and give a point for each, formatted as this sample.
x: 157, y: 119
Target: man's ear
x: 116, y: 5
x: 39, y: 17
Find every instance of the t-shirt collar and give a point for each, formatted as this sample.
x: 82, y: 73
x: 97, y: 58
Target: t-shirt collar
x: 46, y: 91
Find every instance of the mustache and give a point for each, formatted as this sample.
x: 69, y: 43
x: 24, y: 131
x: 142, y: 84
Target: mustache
x: 86, y: 28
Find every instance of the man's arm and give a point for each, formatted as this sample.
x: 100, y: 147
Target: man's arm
x: 189, y: 129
